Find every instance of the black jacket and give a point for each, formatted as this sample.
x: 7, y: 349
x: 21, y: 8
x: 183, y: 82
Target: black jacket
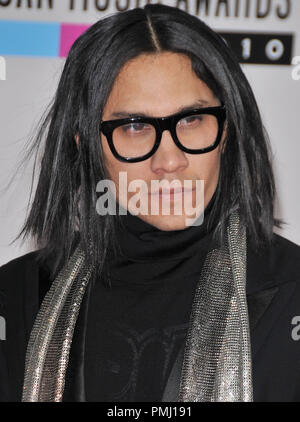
x: 273, y: 296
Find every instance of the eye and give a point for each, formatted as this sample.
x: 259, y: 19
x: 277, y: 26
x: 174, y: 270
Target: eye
x: 193, y: 120
x: 135, y: 127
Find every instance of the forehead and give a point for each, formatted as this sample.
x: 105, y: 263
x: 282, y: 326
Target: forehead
x: 156, y: 83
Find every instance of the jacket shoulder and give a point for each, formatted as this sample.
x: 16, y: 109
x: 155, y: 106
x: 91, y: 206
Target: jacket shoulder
x: 19, y: 287
x: 20, y: 260
x: 17, y: 267
x: 277, y: 264
x: 19, y: 279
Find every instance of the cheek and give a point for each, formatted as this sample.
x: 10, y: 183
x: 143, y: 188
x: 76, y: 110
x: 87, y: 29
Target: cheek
x: 207, y: 169
x: 206, y: 166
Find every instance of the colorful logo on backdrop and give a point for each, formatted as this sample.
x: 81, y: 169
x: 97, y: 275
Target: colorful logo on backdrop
x: 53, y: 39
x: 42, y: 39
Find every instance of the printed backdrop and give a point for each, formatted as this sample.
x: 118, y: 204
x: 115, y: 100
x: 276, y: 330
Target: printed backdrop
x: 36, y: 35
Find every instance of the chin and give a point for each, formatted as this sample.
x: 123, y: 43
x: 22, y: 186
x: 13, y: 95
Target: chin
x: 167, y: 222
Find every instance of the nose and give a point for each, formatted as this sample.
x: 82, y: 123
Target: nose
x: 168, y: 157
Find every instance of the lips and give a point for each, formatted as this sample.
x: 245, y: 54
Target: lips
x: 172, y: 191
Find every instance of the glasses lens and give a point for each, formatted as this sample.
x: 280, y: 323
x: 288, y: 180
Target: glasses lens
x: 134, y: 139
x: 197, y: 131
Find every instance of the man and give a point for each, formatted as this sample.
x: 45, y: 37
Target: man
x: 149, y: 303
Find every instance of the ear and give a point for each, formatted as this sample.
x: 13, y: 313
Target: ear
x: 77, y: 139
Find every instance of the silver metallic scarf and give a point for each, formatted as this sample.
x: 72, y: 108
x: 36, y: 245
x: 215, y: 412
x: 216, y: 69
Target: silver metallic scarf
x: 217, y: 357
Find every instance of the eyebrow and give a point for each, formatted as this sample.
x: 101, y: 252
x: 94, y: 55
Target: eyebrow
x: 124, y: 114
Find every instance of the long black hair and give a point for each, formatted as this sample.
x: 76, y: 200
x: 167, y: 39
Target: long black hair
x: 69, y: 174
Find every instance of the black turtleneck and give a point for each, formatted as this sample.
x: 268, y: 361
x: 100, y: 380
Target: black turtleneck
x: 136, y: 327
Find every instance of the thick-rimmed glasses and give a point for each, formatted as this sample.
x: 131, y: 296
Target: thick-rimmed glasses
x: 195, y: 131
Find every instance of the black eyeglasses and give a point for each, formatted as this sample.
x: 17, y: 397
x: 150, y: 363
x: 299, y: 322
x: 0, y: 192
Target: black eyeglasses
x: 195, y: 131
